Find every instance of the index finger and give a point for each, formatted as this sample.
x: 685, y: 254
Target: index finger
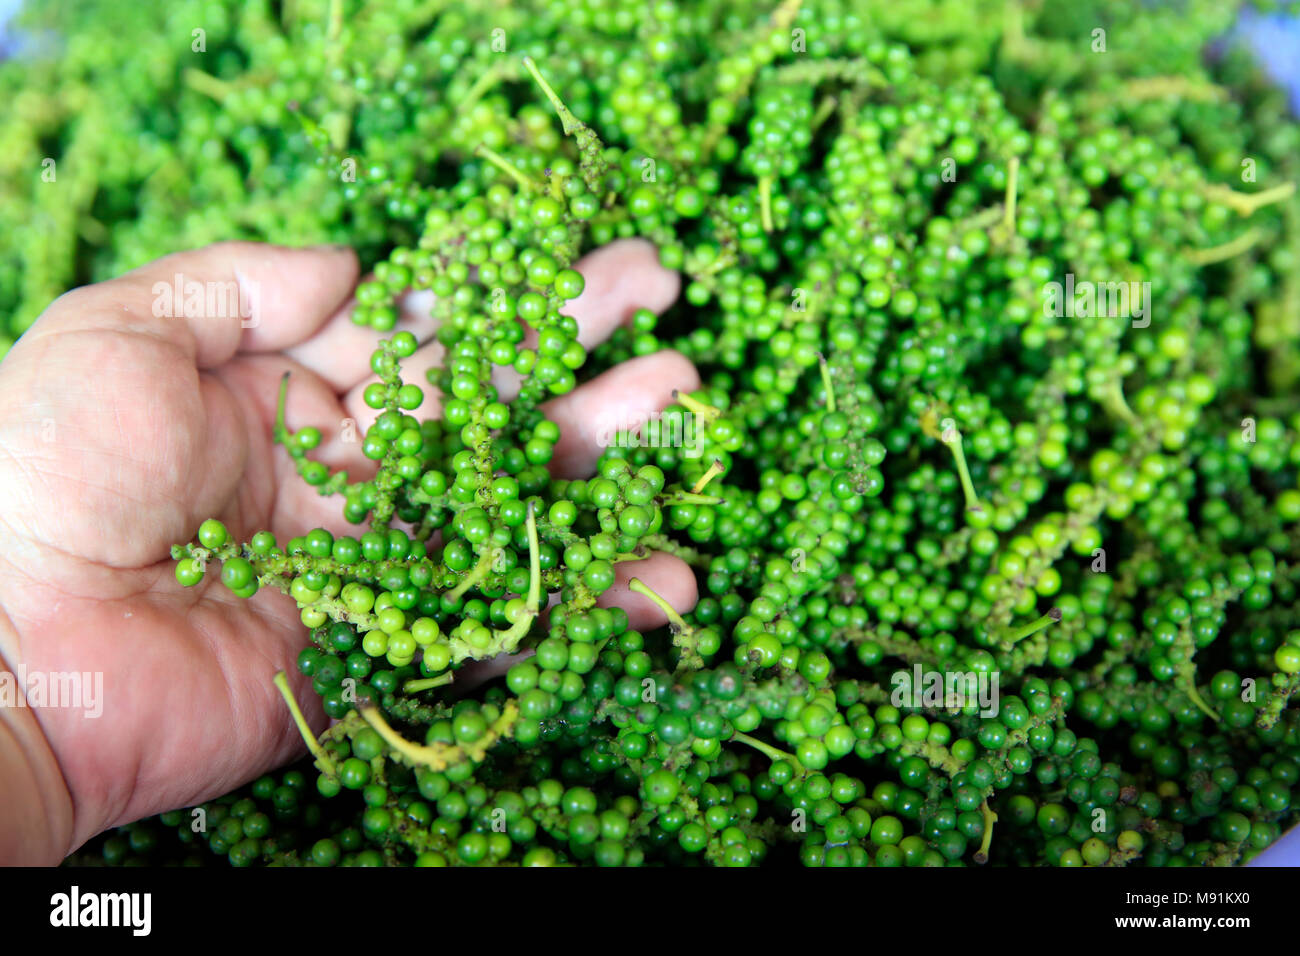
x: 216, y: 301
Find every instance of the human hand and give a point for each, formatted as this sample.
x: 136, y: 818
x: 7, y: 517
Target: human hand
x: 121, y: 431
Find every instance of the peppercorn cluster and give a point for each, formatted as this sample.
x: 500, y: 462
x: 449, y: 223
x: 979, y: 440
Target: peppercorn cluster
x: 912, y: 460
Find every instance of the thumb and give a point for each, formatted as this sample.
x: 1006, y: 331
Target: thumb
x: 213, y: 302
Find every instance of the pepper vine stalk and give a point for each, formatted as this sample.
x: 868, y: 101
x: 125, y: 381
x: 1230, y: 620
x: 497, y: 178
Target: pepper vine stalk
x: 1116, y: 404
x: 951, y: 437
x: 675, y: 620
x: 772, y: 753
x: 825, y: 370
x: 715, y: 469
x: 428, y: 683
x: 533, y: 603
x: 765, y: 202
x: 486, y: 81
x: 696, y: 407
x: 590, y: 147
x: 1019, y: 634
x: 507, y: 167
x: 1246, y: 204
x: 568, y: 121
x: 690, y: 498
x: 1226, y: 250
x: 322, y: 758
x: 440, y: 756
x: 990, y: 818
x: 207, y: 84
x: 476, y: 574
x: 825, y: 110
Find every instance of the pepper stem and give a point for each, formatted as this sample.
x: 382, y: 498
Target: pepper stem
x: 567, y: 119
x: 487, y: 79
x: 1051, y: 617
x: 826, y: 382
x: 440, y: 756
x: 1160, y: 87
x: 686, y: 498
x: 507, y: 167
x: 715, y: 469
x: 1205, y: 257
x: 282, y: 685
x: 434, y: 757
x: 428, y: 683
x: 207, y: 84
x: 765, y: 202
x: 1246, y: 203
x: 677, y: 621
x: 952, y: 438
x: 695, y: 406
x: 824, y: 111
x: 510, y: 637
x: 477, y: 574
x: 1189, y: 688
x: 768, y: 750
x: 280, y: 431
x: 334, y: 30
x: 534, y: 563
x: 990, y: 818
x: 1115, y: 403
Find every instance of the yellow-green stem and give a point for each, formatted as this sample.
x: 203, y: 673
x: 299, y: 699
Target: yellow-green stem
x: 334, y: 30
x: 534, y: 563
x: 1189, y: 688
x: 1235, y: 247
x: 963, y: 473
x: 686, y: 498
x: 477, y: 574
x: 1051, y: 617
x: 1116, y: 404
x: 282, y: 685
x: 772, y: 753
x: 511, y: 636
x: 990, y: 818
x: 567, y: 119
x: 677, y: 621
x: 413, y: 752
x: 695, y: 406
x: 428, y: 683
x: 207, y: 84
x: 1244, y: 204
x: 826, y: 382
x: 507, y: 167
x: 824, y: 111
x: 487, y: 79
x: 1182, y: 87
x: 715, y: 469
x: 280, y: 430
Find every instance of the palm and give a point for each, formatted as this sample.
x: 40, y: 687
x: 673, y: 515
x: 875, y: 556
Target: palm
x: 125, y: 443
x: 187, y: 671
